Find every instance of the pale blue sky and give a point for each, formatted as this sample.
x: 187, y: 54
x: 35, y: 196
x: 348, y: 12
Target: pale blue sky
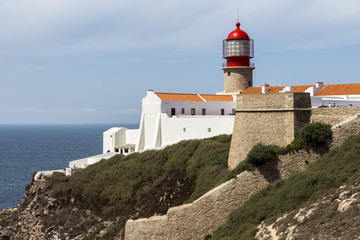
x: 90, y: 61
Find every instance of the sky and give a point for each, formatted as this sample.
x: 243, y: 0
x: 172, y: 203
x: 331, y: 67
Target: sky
x: 91, y: 61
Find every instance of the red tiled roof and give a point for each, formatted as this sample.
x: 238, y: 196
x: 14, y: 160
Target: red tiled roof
x: 276, y: 89
x: 340, y: 89
x: 179, y: 97
x: 209, y: 97
x: 192, y: 97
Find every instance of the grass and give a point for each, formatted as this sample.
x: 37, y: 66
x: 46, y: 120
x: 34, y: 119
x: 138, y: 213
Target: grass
x: 143, y: 184
x: 329, y: 172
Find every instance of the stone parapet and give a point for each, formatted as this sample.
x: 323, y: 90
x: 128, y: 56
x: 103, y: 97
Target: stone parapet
x: 333, y: 115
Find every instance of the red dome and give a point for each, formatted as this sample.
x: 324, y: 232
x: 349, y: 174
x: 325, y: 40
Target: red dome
x: 238, y: 33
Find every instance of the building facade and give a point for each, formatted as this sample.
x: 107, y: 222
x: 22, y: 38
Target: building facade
x: 168, y: 118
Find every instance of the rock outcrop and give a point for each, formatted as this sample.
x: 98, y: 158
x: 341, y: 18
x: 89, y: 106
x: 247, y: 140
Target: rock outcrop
x: 42, y: 217
x: 334, y: 216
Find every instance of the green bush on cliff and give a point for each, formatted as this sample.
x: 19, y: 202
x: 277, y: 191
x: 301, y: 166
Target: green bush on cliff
x: 313, y: 135
x: 329, y: 172
x: 261, y: 154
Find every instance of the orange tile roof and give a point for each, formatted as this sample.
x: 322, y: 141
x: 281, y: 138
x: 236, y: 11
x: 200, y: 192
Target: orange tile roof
x: 192, y: 97
x: 209, y: 97
x: 179, y: 97
x: 276, y: 89
x: 340, y: 89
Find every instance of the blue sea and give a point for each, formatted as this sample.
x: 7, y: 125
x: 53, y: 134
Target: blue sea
x: 28, y: 148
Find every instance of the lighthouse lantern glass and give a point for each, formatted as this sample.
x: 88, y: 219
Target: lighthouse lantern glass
x: 238, y: 48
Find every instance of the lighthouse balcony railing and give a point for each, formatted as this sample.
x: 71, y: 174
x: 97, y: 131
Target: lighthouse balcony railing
x: 250, y: 65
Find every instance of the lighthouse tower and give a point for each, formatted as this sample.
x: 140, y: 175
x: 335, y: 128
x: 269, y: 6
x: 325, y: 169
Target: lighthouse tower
x: 238, y: 48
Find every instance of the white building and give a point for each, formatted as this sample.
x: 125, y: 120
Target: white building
x: 168, y: 118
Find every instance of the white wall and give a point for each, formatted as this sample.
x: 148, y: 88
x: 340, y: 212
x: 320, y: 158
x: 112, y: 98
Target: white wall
x: 212, y: 107
x: 196, y: 127
x: 338, y: 100
x: 132, y: 136
x: 112, y: 138
x: 151, y: 124
x: 151, y: 104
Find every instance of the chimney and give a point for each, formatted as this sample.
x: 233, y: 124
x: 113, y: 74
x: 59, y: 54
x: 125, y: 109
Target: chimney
x: 265, y: 88
x: 319, y: 85
x: 286, y: 89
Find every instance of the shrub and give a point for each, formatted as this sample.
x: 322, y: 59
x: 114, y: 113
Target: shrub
x: 316, y: 134
x: 261, y: 153
x: 313, y: 135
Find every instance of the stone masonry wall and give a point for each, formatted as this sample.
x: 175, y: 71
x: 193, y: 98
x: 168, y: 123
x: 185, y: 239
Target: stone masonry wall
x: 203, y: 216
x: 268, y: 119
x: 239, y: 78
x: 333, y: 115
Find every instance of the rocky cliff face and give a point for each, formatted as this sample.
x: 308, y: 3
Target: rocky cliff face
x: 334, y: 216
x: 43, y: 217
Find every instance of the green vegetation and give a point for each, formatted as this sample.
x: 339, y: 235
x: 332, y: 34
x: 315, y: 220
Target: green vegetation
x: 142, y: 184
x: 329, y: 172
x: 261, y: 154
x: 314, y: 135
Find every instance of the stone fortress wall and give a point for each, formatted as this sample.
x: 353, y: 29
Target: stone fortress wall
x: 206, y: 214
x: 272, y: 118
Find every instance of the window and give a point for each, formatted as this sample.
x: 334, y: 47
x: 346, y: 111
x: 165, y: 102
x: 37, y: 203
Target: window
x: 229, y: 73
x: 193, y: 111
x: 203, y: 111
x: 233, y: 111
x: 184, y: 129
x: 183, y: 111
x: 126, y: 150
x: 250, y: 85
x: 209, y: 129
x: 222, y: 111
x: 173, y: 112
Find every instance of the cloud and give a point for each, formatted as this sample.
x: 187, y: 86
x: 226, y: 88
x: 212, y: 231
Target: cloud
x: 67, y: 27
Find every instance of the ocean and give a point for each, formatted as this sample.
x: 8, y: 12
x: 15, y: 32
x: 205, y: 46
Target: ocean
x: 28, y: 148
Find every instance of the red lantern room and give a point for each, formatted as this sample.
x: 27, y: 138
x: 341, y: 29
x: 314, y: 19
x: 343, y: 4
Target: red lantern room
x: 238, y: 48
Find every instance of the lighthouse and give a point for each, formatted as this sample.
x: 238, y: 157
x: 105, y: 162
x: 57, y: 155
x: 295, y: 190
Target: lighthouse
x: 238, y: 49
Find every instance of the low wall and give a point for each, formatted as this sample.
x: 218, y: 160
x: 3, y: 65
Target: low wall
x: 343, y: 130
x: 333, y: 115
x: 206, y: 214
